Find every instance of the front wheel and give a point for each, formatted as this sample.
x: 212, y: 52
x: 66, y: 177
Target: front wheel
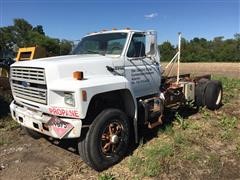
x: 106, y: 141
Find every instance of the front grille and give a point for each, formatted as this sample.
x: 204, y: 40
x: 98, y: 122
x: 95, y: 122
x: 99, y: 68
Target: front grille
x: 29, y: 84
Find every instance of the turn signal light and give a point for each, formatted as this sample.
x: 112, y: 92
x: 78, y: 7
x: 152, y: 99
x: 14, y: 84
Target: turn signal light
x: 78, y: 75
x: 84, y: 95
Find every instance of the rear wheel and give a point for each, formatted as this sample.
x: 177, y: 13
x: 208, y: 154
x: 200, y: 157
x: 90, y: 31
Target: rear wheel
x: 106, y: 141
x: 213, y: 95
x: 200, y: 91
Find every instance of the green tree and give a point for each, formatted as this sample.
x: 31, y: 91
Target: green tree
x: 39, y: 29
x: 21, y: 28
x: 65, y: 47
x: 237, y: 47
x: 23, y: 34
x: 167, y: 51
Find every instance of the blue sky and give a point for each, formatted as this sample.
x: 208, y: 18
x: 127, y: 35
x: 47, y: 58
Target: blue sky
x: 72, y: 19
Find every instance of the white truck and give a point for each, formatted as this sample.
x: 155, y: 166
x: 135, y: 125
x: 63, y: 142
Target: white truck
x: 110, y: 86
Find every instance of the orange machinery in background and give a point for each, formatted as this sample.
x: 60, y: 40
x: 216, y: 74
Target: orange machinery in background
x: 29, y: 53
x: 26, y: 53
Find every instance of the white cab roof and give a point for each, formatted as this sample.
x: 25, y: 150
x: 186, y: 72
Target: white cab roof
x: 113, y: 31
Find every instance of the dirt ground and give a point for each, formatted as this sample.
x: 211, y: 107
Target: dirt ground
x: 26, y: 158
x: 22, y: 157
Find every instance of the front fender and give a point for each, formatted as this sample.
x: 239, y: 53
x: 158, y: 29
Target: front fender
x: 94, y: 86
x: 101, y: 85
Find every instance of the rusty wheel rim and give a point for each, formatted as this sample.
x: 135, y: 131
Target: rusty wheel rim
x: 111, y: 138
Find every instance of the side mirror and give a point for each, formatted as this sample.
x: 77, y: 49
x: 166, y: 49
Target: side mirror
x: 151, y: 43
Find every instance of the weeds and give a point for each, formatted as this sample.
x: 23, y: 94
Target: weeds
x: 193, y: 156
x: 194, y: 126
x: 230, y: 88
x: 214, y: 162
x: 74, y: 168
x: 7, y: 124
x: 205, y: 112
x: 183, y: 124
x: 168, y: 130
x: 161, y: 151
x: 152, y: 160
x: 135, y: 163
x: 227, y: 124
x: 106, y: 176
x: 180, y: 139
x: 238, y: 149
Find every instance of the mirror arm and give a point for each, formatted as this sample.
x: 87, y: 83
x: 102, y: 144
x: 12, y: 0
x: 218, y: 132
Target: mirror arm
x: 137, y: 58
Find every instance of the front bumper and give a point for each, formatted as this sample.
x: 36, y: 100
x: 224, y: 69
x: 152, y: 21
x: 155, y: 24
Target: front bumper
x: 38, y: 120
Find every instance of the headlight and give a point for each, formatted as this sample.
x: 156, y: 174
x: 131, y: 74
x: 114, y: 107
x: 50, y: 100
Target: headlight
x: 69, y: 99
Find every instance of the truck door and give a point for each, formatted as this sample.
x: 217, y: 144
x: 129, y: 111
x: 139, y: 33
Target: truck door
x: 142, y: 70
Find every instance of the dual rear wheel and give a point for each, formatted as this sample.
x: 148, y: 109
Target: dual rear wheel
x: 209, y: 93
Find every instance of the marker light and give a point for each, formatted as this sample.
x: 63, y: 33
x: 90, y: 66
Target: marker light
x: 84, y: 95
x: 78, y: 75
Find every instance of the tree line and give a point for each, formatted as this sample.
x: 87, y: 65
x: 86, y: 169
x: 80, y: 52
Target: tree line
x: 203, y: 50
x: 23, y: 34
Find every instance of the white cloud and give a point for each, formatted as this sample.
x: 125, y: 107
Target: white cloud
x: 150, y: 16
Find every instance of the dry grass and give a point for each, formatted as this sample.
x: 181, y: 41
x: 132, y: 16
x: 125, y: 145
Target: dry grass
x: 70, y: 170
x: 220, y: 69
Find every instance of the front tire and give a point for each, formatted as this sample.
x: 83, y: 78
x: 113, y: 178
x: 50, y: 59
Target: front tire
x: 106, y: 141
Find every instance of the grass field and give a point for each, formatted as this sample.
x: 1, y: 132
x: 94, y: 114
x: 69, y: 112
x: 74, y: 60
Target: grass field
x: 219, y: 69
x: 190, y: 145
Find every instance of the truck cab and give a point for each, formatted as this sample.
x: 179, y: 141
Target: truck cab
x: 100, y: 94
x: 129, y: 55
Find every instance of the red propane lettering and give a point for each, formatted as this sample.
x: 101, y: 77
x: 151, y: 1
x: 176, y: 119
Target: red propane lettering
x: 63, y: 112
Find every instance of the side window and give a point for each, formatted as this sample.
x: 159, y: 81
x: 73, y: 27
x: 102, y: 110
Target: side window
x: 137, y: 46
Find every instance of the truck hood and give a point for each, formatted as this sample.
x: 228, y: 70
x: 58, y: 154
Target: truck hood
x: 63, y: 66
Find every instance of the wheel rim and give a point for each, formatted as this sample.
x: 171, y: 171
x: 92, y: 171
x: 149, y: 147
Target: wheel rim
x: 219, y: 97
x: 111, y: 138
x: 3, y: 72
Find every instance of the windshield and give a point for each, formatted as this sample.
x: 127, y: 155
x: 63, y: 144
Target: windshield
x: 112, y: 43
